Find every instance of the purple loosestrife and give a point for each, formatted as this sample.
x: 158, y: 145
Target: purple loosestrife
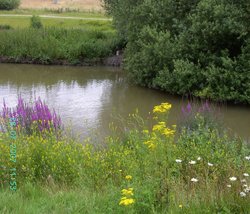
x: 38, y: 112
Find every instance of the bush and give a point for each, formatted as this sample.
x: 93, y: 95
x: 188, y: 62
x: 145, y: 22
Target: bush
x: 35, y: 22
x: 198, y: 47
x: 9, y: 4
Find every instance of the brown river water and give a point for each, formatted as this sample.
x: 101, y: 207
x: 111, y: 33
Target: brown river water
x: 90, y: 98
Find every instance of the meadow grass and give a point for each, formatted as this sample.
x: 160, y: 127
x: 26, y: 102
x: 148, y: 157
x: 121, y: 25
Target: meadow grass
x: 148, y: 169
x: 24, y: 22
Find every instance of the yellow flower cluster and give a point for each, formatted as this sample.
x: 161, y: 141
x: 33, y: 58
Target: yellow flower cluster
x: 159, y: 127
x: 164, y: 107
x: 128, y: 177
x: 126, y: 199
x: 150, y: 144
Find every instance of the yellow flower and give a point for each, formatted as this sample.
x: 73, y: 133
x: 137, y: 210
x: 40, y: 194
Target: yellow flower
x: 168, y: 132
x: 145, y: 131
x: 164, y: 107
x: 128, y: 177
x: 159, y: 126
x: 126, y: 201
x: 180, y: 206
x: 151, y: 146
x: 127, y: 192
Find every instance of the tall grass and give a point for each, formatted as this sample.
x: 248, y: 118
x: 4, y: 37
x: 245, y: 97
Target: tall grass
x: 51, y: 44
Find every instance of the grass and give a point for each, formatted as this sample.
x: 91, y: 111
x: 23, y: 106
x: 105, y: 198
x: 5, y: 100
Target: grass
x: 65, y: 175
x: 24, y: 22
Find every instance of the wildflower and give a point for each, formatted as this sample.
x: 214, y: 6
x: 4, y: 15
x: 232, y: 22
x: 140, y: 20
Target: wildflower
x: 247, y: 190
x: 194, y: 180
x: 128, y: 177
x: 229, y: 185
x: 164, y: 107
x: 242, y: 194
x: 151, y: 146
x: 159, y: 126
x: 168, y: 132
x: 199, y: 158
x: 247, y: 157
x: 233, y: 179
x: 243, y: 181
x: 126, y: 201
x: 244, y: 185
x: 192, y: 162
x: 209, y: 164
x: 145, y: 131
x: 127, y: 192
x: 246, y: 174
x: 178, y: 161
x: 180, y: 206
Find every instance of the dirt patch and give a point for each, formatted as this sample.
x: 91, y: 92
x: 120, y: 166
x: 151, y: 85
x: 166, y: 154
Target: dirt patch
x: 55, y: 4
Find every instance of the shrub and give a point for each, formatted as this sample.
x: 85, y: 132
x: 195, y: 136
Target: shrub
x: 35, y: 22
x: 9, y: 4
x: 198, y: 47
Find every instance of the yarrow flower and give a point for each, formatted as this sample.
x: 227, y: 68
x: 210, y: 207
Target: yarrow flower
x: 199, y: 158
x: 209, y: 164
x: 229, y: 185
x: 246, y: 174
x: 233, y: 179
x: 178, y: 161
x: 242, y: 194
x: 243, y: 181
x: 192, y: 162
x: 247, y: 157
x: 247, y: 190
x: 194, y: 180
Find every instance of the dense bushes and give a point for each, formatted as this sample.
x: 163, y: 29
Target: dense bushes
x: 9, y: 4
x: 198, y: 47
x: 47, y: 45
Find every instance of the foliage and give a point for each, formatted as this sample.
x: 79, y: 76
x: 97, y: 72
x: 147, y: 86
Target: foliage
x: 53, y: 44
x: 5, y: 27
x: 9, y: 4
x: 150, y: 170
x: 197, y: 47
x: 35, y: 22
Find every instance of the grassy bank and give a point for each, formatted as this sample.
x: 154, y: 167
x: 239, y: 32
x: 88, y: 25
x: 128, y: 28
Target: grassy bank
x: 49, y: 45
x: 65, y: 37
x: 151, y: 168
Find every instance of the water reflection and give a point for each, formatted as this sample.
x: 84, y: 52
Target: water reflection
x: 87, y: 97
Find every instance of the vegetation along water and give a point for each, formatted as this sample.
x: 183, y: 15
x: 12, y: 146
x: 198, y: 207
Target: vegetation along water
x: 87, y: 140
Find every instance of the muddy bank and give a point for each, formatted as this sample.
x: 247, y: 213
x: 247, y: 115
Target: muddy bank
x: 115, y: 60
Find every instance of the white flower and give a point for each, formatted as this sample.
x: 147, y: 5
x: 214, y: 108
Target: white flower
x: 229, y: 186
x: 209, y: 164
x: 178, y: 161
x: 194, y: 180
x: 243, y: 181
x: 192, y: 162
x: 244, y: 185
x: 233, y: 179
x: 199, y: 158
x: 247, y: 190
x: 242, y: 194
x: 248, y: 157
x: 246, y: 174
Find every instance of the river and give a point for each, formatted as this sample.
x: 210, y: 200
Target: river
x: 90, y: 98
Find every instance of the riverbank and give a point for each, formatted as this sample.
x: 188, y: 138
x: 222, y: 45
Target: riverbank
x: 150, y: 168
x: 115, y: 60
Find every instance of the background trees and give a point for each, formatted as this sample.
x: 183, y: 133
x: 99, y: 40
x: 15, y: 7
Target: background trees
x: 198, y: 47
